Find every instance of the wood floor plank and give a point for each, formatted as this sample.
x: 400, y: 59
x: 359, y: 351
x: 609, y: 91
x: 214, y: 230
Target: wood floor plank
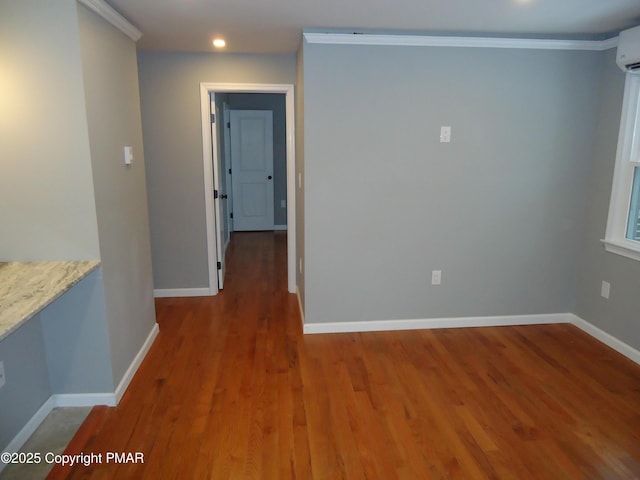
x: 231, y: 389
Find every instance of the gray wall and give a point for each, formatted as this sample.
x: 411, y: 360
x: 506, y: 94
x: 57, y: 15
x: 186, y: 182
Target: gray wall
x: 170, y: 95
x: 619, y: 314
x: 76, y: 340
x: 27, y: 386
x: 64, y: 349
x: 113, y: 114
x: 500, y: 210
x: 47, y: 210
x: 275, y: 102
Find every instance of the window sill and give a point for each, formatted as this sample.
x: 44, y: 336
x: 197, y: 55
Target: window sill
x: 626, y: 248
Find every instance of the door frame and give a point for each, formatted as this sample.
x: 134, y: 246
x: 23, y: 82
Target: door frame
x: 210, y: 161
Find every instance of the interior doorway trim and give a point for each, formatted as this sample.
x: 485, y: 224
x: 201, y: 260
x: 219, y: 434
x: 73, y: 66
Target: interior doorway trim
x: 210, y: 154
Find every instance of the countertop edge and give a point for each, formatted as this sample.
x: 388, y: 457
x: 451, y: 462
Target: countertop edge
x: 88, y: 267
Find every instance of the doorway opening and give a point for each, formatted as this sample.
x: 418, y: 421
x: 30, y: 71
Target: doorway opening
x: 214, y: 111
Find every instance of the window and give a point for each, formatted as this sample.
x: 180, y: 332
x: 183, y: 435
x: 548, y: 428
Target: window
x: 633, y: 223
x: 623, y: 225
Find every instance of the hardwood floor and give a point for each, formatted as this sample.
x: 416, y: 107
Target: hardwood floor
x: 231, y: 389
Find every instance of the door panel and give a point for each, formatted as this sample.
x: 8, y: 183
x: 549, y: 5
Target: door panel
x: 219, y: 205
x: 252, y: 169
x: 253, y: 199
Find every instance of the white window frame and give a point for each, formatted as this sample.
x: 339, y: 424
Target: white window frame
x: 627, y: 159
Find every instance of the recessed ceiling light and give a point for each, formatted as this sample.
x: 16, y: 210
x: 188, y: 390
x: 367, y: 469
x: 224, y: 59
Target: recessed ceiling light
x: 219, y: 43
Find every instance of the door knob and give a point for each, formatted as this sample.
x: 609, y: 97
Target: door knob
x: 224, y: 196
x: 269, y: 177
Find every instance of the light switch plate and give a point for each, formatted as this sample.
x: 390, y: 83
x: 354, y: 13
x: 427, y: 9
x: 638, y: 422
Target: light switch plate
x: 445, y: 134
x: 128, y: 155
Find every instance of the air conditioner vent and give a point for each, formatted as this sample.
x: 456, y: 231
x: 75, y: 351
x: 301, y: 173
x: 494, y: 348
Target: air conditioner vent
x: 628, y: 55
x: 633, y: 67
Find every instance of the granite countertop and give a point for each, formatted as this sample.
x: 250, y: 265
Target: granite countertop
x: 28, y: 287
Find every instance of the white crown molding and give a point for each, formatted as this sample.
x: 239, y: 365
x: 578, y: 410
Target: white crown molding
x: 114, y: 18
x: 609, y: 43
x: 445, y: 41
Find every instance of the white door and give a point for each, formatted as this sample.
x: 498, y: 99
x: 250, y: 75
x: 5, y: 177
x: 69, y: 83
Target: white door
x: 252, y: 169
x: 227, y: 163
x: 220, y: 194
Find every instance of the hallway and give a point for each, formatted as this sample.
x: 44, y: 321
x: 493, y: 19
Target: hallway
x: 208, y: 388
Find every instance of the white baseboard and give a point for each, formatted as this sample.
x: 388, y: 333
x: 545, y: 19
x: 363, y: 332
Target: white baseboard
x: 466, y: 322
x: 300, y: 307
x: 54, y: 401
x: 428, y: 323
x: 23, y: 435
x: 109, y: 399
x: 81, y: 399
x: 181, y: 292
x: 606, y: 338
x: 133, y: 368
x: 84, y: 399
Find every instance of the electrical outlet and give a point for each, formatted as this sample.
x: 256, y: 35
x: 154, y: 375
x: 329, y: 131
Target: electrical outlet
x: 3, y: 378
x: 605, y: 290
x: 436, y: 277
x: 300, y: 265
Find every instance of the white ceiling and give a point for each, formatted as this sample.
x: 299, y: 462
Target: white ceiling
x: 275, y: 26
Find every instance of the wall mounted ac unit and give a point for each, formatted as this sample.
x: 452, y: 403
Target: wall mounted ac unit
x: 628, y: 57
